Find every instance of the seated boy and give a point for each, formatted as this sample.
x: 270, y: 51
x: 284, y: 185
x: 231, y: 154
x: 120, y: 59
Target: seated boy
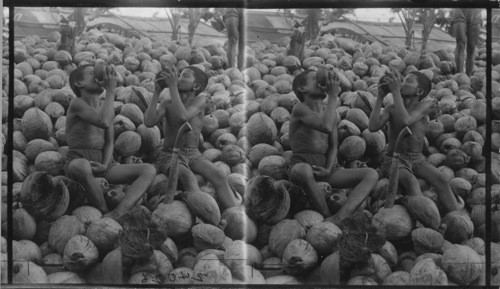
x: 313, y: 139
x: 409, y: 110
x: 186, y: 105
x: 90, y: 138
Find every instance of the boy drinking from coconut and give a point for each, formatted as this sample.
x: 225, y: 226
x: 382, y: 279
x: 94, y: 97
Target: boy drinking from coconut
x: 409, y: 110
x: 186, y: 106
x: 313, y: 139
x: 90, y: 138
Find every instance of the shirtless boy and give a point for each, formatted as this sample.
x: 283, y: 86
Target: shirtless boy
x: 313, y: 139
x: 90, y: 138
x: 409, y: 110
x: 186, y: 106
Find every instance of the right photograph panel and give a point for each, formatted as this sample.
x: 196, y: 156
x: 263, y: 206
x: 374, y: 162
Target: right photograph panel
x: 365, y: 132
x: 495, y: 146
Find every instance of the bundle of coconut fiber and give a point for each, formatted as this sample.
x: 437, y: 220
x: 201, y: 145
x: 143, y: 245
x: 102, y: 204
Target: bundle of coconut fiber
x: 139, y: 236
x: 358, y: 240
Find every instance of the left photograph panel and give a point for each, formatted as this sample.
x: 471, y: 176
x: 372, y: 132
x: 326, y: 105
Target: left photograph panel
x: 128, y: 146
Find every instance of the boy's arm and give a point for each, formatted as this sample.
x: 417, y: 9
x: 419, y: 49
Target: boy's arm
x: 379, y: 117
x: 109, y: 145
x: 155, y: 113
x: 331, y: 155
x: 104, y: 117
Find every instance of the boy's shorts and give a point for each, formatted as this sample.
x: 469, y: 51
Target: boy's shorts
x: 233, y: 12
x: 408, y: 161
x: 93, y: 155
x: 313, y: 160
x: 469, y: 16
x: 187, y: 157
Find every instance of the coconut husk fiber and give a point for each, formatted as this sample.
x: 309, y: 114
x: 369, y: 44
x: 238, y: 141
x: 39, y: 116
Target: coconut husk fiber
x: 358, y: 240
x: 139, y: 236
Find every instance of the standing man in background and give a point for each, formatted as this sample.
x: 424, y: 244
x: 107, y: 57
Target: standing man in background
x: 234, y: 22
x: 465, y: 26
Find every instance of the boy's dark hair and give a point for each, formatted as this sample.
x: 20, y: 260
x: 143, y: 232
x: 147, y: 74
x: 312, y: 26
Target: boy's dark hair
x: 298, y: 81
x: 199, y: 77
x: 75, y: 76
x: 423, y: 83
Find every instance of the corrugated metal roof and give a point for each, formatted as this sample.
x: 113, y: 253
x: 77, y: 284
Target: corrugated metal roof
x: 41, y: 21
x: 393, y: 34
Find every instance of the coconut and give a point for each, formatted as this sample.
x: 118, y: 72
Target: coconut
x: 395, y: 222
x: 104, y: 234
x: 87, y: 214
x: 144, y: 278
x: 239, y: 225
x: 157, y: 263
x: 462, y: 264
x: 282, y: 279
x: 375, y: 142
x: 169, y: 248
x: 423, y: 210
x: 180, y: 275
x: 457, y: 159
x: 23, y: 225
x: 461, y: 187
x: 36, y: 124
x: 397, y: 278
x: 266, y: 200
x: 187, y: 257
x: 330, y: 269
x: 174, y: 219
x: 477, y: 244
x: 80, y: 254
x: 224, y: 140
x: 361, y: 280
x: 28, y: 273
x: 352, y: 148
x: 203, y: 206
x: 43, y: 199
x: 128, y: 143
x: 478, y: 215
x: 426, y: 240
x: 52, y: 263
x: 121, y: 124
x: 211, y: 271
x: 425, y: 272
x: 50, y: 162
x: 26, y: 250
x: 237, y: 182
x: 150, y: 137
x: 207, y: 236
x: 459, y: 227
x: 259, y: 151
x: 323, y: 237
x: 261, y: 129
x: 389, y: 253
x: 309, y: 218
x: 232, y: 154
x: 299, y: 257
x: 465, y: 124
x: 283, y: 233
x: 273, y: 166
